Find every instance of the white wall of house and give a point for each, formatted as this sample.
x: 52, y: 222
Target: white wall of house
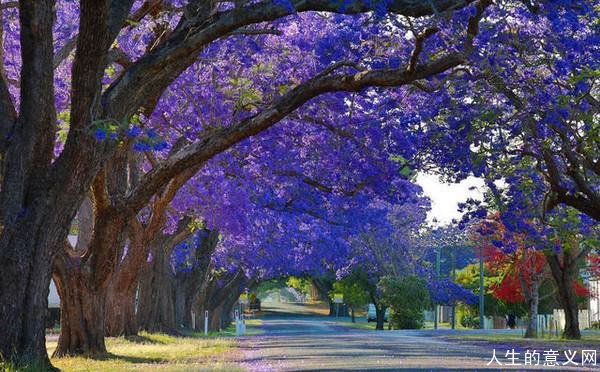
x: 53, y: 299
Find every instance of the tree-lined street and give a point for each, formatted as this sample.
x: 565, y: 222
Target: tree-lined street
x: 166, y: 166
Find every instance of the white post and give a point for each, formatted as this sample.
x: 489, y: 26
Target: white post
x: 193, y: 321
x: 205, y: 322
x: 237, y: 323
x: 243, y: 324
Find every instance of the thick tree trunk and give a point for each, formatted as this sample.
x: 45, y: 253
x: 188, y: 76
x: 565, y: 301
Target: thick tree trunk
x: 182, y: 308
x: 564, y: 273
x: 156, y: 309
x: 228, y: 307
x: 218, y: 299
x: 571, y: 330
x: 190, y: 285
x: 82, y: 313
x: 24, y: 302
x: 82, y: 281
x: 120, y: 311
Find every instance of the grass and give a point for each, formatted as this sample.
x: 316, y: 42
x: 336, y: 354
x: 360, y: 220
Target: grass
x: 361, y: 325
x: 230, y: 331
x: 591, y: 338
x: 193, y: 352
x: 156, y: 351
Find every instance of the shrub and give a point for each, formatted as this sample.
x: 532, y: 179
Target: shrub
x: 407, y: 297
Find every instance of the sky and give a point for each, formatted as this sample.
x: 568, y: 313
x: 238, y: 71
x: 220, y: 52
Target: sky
x: 446, y: 196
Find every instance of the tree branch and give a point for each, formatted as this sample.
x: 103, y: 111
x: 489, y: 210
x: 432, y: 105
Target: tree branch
x: 64, y: 52
x: 9, y: 4
x: 152, y: 73
x: 419, y: 40
x: 223, y: 138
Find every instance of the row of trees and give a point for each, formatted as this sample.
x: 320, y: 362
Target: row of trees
x: 521, y: 265
x: 267, y: 124
x: 97, y: 105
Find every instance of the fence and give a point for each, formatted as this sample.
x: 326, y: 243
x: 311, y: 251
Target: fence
x: 584, y: 320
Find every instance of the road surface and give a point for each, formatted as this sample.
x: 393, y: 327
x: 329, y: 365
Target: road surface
x: 304, y: 340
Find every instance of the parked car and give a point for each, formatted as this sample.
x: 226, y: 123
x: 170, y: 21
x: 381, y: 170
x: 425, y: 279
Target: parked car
x: 372, y: 314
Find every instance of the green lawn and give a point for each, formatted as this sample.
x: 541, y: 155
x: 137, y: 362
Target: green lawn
x: 163, y: 352
x: 587, y: 337
x: 159, y: 351
x: 359, y: 324
x: 230, y: 331
x: 156, y: 351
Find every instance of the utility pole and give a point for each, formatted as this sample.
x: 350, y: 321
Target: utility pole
x: 481, y: 307
x: 438, y: 257
x: 453, y: 254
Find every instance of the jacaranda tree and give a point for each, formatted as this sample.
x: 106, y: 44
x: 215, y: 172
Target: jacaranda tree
x: 66, y: 76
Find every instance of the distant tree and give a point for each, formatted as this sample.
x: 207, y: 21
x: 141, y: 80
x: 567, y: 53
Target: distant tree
x: 354, y: 293
x: 408, y: 297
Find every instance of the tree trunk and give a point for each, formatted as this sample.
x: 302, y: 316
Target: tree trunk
x: 380, y: 317
x: 332, y: 308
x: 324, y: 285
x: 352, y: 314
x: 564, y: 273
x: 190, y: 284
x: 530, y: 289
x: 227, y: 308
x: 156, y: 309
x: 571, y: 330
x: 533, y: 301
x: 24, y: 302
x: 120, y: 311
x: 182, y: 311
x: 214, y: 322
x: 81, y: 313
x: 83, y: 278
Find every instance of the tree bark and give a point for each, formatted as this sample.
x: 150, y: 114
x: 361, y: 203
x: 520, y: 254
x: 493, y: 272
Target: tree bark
x: 189, y: 285
x: 23, y: 306
x: 120, y: 310
x: 156, y: 309
x: 216, y: 296
x: 533, y: 301
x: 564, y: 273
x: 82, y: 312
x: 82, y: 282
x: 380, y: 317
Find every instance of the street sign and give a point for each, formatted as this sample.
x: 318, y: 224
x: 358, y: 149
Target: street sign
x: 338, y: 298
x: 244, y: 299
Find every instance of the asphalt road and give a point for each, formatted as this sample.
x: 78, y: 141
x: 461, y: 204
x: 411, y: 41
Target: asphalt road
x: 296, y: 338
